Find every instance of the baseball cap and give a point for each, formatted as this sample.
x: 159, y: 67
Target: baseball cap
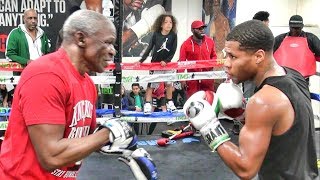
x: 197, y: 24
x: 296, y: 21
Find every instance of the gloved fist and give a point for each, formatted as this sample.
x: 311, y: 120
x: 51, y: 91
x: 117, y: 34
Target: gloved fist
x: 230, y: 100
x: 205, y: 95
x: 148, y: 17
x: 199, y: 112
x: 140, y: 163
x: 121, y: 136
x: 202, y: 116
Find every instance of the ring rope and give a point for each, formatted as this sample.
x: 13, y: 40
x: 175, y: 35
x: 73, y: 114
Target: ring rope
x: 141, y: 78
x: 13, y: 66
x: 129, y: 116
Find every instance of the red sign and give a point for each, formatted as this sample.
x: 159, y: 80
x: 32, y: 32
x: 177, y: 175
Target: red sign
x: 3, y: 38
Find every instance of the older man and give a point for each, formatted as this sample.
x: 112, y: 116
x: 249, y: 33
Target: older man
x: 53, y: 115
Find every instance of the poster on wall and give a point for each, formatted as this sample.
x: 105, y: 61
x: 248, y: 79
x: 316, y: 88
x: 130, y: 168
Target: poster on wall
x: 220, y: 16
x: 51, y: 15
x: 138, y: 18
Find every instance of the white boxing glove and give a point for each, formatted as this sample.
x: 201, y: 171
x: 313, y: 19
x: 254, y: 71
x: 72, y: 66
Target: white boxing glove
x: 230, y: 100
x: 148, y: 17
x: 121, y: 136
x: 141, y: 164
x: 199, y: 112
x: 202, y: 116
x: 206, y: 95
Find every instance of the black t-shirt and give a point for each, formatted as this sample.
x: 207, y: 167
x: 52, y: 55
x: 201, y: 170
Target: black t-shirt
x: 163, y: 47
x: 292, y: 155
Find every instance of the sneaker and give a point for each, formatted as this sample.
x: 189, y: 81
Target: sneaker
x: 171, y: 107
x: 147, y: 108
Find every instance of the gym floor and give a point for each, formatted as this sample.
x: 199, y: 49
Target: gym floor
x: 187, y: 159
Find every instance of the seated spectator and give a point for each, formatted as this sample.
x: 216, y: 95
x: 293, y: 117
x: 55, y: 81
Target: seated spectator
x: 4, y: 96
x: 124, y: 99
x: 136, y: 99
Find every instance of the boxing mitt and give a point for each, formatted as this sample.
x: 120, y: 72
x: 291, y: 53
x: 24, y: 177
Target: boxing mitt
x: 148, y: 17
x: 141, y: 164
x: 121, y: 136
x: 229, y: 100
x: 202, y: 116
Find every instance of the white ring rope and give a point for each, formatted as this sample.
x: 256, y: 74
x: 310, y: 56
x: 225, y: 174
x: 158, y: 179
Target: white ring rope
x: 141, y: 78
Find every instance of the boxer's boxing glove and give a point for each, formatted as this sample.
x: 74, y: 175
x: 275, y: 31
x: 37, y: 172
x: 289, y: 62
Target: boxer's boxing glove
x: 148, y: 17
x: 206, y: 95
x: 229, y: 100
x: 121, y: 136
x: 141, y: 164
x: 202, y: 116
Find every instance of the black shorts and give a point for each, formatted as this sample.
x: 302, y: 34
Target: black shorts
x: 158, y: 102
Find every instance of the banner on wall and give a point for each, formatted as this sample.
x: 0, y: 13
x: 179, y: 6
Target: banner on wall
x: 138, y: 17
x: 51, y: 15
x: 220, y: 16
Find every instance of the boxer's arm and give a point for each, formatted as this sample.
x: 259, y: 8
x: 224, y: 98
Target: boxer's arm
x: 246, y: 159
x: 43, y: 109
x: 54, y: 151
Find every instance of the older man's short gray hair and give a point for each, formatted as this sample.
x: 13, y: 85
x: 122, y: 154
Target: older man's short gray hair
x: 87, y: 21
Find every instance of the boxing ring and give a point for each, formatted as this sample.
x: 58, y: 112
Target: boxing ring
x: 188, y: 158
x: 11, y: 66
